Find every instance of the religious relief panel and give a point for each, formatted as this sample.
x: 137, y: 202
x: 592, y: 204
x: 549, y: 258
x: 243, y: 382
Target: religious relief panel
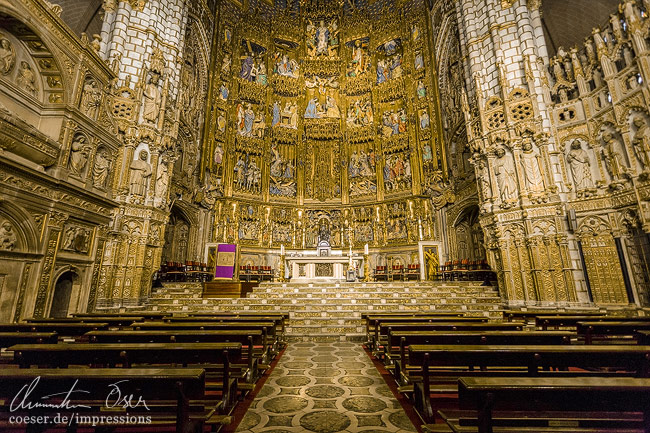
x: 322, y: 170
x: 362, y: 174
x: 397, y: 171
x: 389, y: 63
x: 322, y: 39
x: 360, y: 61
x: 248, y: 171
x: 253, y: 63
x: 282, y: 231
x: 80, y: 150
x: 363, y: 225
x: 249, y: 224
x: 76, y: 238
x: 396, y: 222
x: 323, y: 226
x: 282, y: 172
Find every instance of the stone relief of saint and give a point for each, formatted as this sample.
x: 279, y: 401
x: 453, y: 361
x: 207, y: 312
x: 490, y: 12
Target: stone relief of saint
x: 152, y: 99
x: 101, y: 169
x: 79, y: 151
x: 580, y: 166
x: 26, y: 78
x: 8, y: 237
x: 641, y: 141
x: 140, y: 174
x: 533, y: 174
x: 7, y: 56
x: 505, y: 175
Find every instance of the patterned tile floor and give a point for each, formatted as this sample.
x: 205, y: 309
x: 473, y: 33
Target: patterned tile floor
x: 325, y: 388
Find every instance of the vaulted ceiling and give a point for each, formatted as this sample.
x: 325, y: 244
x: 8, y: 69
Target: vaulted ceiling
x: 82, y: 15
x: 568, y: 22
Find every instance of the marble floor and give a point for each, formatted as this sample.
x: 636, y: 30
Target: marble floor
x: 325, y: 388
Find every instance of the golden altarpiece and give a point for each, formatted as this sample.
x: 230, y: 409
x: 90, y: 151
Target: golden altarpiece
x: 324, y: 117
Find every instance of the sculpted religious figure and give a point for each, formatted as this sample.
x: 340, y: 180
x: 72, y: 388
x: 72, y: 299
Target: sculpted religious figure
x: 580, y: 166
x: 26, y: 78
x: 140, y: 173
x: 8, y: 237
x: 505, y: 174
x: 162, y: 180
x: 533, y: 174
x: 614, y: 160
x: 7, y: 56
x: 641, y: 141
x: 152, y: 99
x: 91, y: 98
x: 101, y: 169
x: 78, y: 155
x: 225, y: 64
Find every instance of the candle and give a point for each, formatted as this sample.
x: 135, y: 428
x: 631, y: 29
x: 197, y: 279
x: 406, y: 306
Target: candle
x: 281, y: 249
x: 365, y: 249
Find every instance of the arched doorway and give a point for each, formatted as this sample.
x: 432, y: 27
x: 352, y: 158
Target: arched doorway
x: 177, y: 236
x: 62, y: 293
x: 467, y: 242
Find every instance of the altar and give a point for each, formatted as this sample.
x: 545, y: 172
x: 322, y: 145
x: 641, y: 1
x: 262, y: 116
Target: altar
x: 322, y: 268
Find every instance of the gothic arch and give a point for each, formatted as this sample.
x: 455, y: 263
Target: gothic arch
x: 24, y: 226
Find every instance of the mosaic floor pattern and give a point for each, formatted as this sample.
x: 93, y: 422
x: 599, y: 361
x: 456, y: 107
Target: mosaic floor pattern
x: 325, y: 388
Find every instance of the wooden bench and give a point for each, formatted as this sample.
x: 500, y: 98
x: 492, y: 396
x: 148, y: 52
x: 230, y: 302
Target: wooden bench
x: 546, y: 322
x: 607, y: 329
x: 113, y: 321
x: 147, y: 315
x: 279, y: 320
x: 440, y: 364
x: 8, y: 339
x: 643, y: 337
x: 373, y: 323
x: 249, y: 338
x: 383, y: 328
x: 215, y: 357
x: 553, y: 405
x: 173, y: 397
x: 517, y: 315
x: 63, y: 329
x: 264, y: 326
x: 399, y: 341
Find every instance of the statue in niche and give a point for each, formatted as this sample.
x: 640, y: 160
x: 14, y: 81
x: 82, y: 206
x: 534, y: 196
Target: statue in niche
x: 381, y: 71
x: 580, y: 166
x: 276, y: 114
x: 331, y: 109
x: 424, y: 120
x: 506, y: 179
x: 221, y: 123
x: 260, y: 72
x: 359, y: 113
x: 285, y: 66
x: 641, y: 141
x: 247, y: 66
x: 323, y: 231
x: 360, y: 60
x: 421, y: 91
x: 532, y: 172
x: 395, y: 68
x: 629, y: 10
x: 225, y: 64
x: 140, y: 173
x: 394, y: 122
x: 8, y: 237
x: 79, y: 151
x: 427, y: 154
x: 484, y: 180
x: 218, y: 154
x: 312, y: 110
x: 415, y: 32
x: 152, y: 99
x: 258, y: 126
x: 419, y: 61
x: 26, y: 78
x: 91, y: 98
x: 223, y: 92
x: 7, y: 55
x: 162, y: 180
x: 101, y: 169
x: 613, y: 157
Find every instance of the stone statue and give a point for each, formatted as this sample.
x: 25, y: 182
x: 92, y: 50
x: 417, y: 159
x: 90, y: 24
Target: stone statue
x: 91, y: 98
x: 641, y: 141
x: 506, y: 179
x: 424, y: 120
x: 225, y: 64
x: 533, y: 174
x: 578, y: 160
x: 421, y: 90
x: 26, y: 78
x: 612, y: 155
x: 152, y: 99
x: 162, y: 180
x: 101, y: 169
x: 78, y: 155
x: 140, y: 173
x: 8, y: 237
x: 7, y: 56
x: 484, y: 180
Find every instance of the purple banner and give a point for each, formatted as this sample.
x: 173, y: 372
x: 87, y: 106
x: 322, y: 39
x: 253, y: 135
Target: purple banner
x: 225, y: 266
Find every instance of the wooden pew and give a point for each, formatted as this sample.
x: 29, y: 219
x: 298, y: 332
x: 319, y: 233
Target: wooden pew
x: 279, y: 319
x: 373, y: 323
x: 147, y: 315
x: 264, y: 326
x: 600, y: 330
x: 174, y: 397
x: 546, y: 322
x: 457, y: 325
x: 250, y: 338
x: 8, y: 339
x: 518, y: 315
x: 113, y: 321
x: 643, y: 337
x: 399, y: 341
x: 216, y: 357
x: 591, y: 403
x: 63, y: 329
x: 440, y: 363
